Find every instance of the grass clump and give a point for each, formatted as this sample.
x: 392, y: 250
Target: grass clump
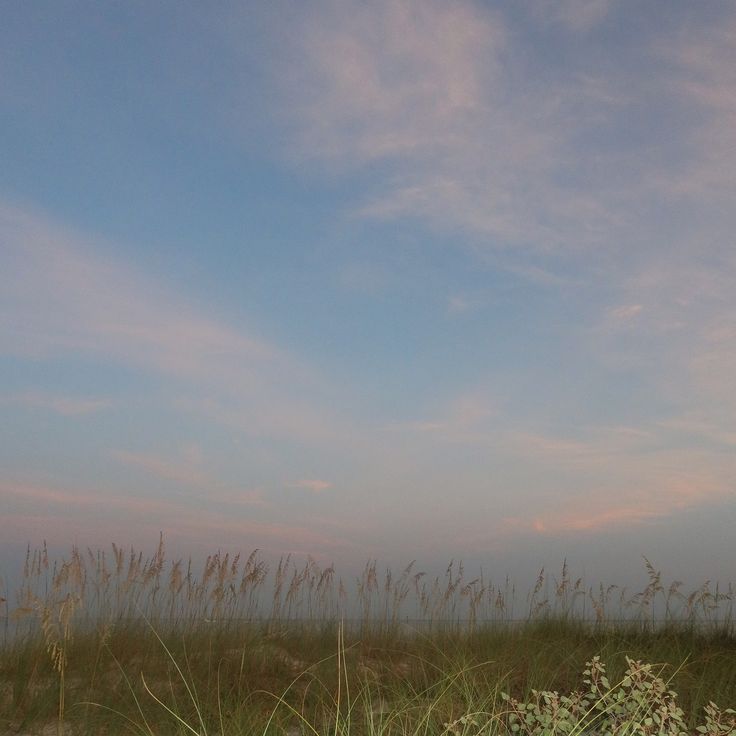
x: 99, y: 644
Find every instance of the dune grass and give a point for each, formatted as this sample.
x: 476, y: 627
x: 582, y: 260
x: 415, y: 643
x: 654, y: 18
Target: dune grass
x: 109, y: 643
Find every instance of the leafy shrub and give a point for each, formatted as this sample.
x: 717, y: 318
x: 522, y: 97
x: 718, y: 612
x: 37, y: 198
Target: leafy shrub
x: 640, y: 705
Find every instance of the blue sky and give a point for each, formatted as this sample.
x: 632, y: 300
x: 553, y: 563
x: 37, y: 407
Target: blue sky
x: 394, y: 279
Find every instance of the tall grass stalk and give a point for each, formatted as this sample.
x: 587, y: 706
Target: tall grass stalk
x: 173, y: 648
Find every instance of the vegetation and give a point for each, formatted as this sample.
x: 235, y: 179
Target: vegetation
x: 111, y: 643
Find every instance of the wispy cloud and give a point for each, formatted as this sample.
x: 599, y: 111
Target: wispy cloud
x: 461, y: 124
x: 365, y: 277
x: 677, y: 324
x: 239, y: 497
x: 624, y: 313
x: 704, y: 61
x: 417, y: 426
x: 467, y: 418
x: 394, y: 78
x: 63, y: 296
x: 460, y: 304
x: 442, y: 97
x: 577, y: 15
x: 592, y: 522
x: 274, y: 537
x: 186, y: 469
x: 68, y: 406
x: 178, y: 521
x: 609, y: 509
x: 297, y: 418
x: 82, y: 498
x: 696, y: 426
x: 315, y: 485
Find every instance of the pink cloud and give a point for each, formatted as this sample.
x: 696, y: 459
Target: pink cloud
x: 62, y: 295
x: 279, y: 537
x: 577, y: 15
x: 185, y: 524
x: 314, y: 485
x: 187, y: 469
x: 183, y: 470
x: 530, y: 444
x: 432, y: 90
x: 704, y: 77
x: 603, y: 509
x: 73, y: 298
x: 82, y: 498
x: 61, y: 531
x: 578, y: 521
x: 460, y: 304
x: 296, y: 419
x: 592, y: 522
x: 625, y: 312
x: 65, y: 405
x: 240, y: 497
x: 417, y: 426
x: 68, y: 297
x: 698, y: 426
x: 369, y: 68
x: 467, y: 418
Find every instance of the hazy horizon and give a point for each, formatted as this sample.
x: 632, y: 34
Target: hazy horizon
x: 392, y: 280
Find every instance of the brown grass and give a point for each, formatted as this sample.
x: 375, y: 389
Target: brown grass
x: 82, y: 629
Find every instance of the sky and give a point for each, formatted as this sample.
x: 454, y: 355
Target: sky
x: 396, y: 279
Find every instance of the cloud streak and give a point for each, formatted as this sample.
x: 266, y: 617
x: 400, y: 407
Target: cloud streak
x: 442, y: 99
x: 61, y: 297
x: 459, y: 123
x: 68, y: 406
x: 704, y: 78
x: 315, y: 485
x: 186, y: 470
x: 576, y: 15
x: 177, y: 521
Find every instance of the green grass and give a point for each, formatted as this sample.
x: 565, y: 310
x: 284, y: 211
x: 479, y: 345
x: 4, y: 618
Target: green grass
x: 141, y: 646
